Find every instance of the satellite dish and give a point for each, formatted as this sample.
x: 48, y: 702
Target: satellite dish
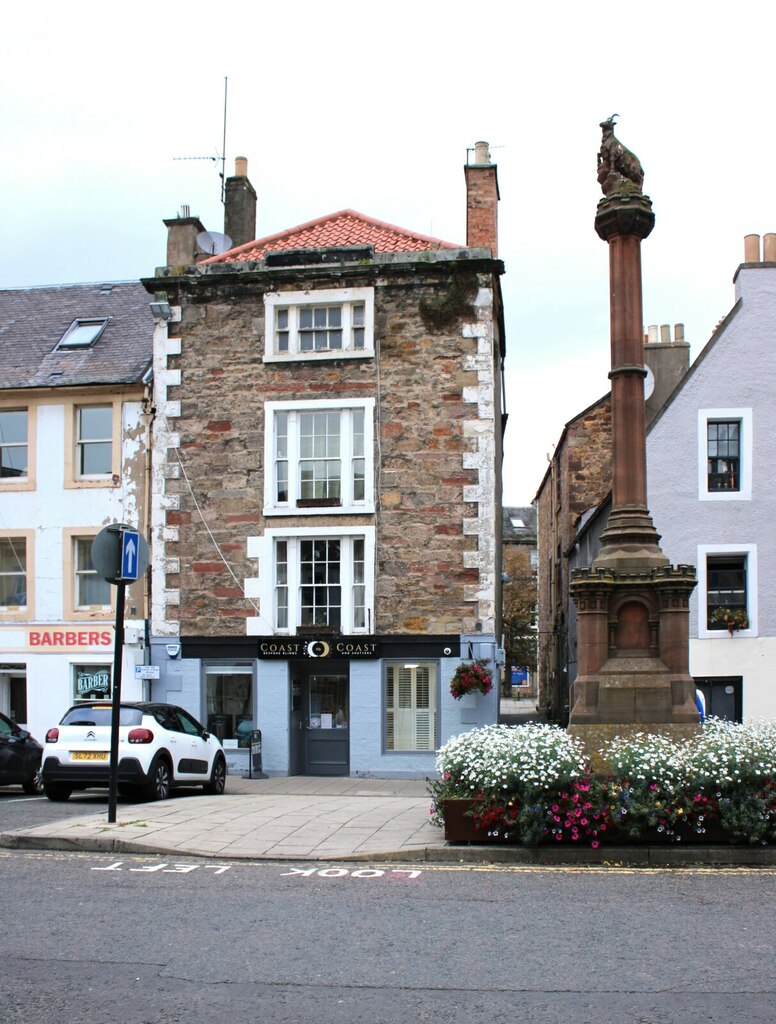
x: 649, y: 383
x: 213, y: 242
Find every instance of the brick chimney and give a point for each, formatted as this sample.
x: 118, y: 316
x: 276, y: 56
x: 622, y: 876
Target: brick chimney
x: 182, y: 234
x: 482, y: 201
x: 240, y: 205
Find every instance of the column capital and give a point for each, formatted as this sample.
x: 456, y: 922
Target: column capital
x: 627, y: 212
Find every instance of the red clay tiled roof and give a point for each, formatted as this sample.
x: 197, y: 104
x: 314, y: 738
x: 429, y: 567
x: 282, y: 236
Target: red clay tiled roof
x: 345, y: 228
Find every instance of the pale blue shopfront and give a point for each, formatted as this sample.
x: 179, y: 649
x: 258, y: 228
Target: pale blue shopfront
x: 368, y: 707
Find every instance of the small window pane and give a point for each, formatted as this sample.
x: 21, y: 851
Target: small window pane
x: 13, y: 572
x: 91, y: 589
x: 95, y: 422
x: 13, y: 443
x: 95, y: 440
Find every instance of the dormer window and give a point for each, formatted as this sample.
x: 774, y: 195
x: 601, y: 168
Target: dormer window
x: 83, y: 332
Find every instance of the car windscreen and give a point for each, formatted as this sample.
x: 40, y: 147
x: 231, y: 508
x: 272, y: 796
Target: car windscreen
x: 91, y: 714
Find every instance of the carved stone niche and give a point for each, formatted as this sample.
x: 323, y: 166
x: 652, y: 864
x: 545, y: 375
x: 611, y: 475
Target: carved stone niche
x: 633, y: 628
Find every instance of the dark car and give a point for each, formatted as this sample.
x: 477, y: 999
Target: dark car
x: 19, y: 757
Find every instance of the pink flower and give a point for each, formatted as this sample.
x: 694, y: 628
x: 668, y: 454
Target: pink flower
x: 595, y: 844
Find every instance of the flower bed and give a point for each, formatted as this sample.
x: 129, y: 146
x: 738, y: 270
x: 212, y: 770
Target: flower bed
x: 531, y: 784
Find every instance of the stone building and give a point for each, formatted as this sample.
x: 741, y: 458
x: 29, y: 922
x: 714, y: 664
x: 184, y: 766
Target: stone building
x: 578, y: 477
x: 578, y: 480
x: 327, y: 475
x: 74, y: 455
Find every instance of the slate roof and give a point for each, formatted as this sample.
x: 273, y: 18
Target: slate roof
x: 344, y: 228
x: 516, y: 534
x: 33, y: 320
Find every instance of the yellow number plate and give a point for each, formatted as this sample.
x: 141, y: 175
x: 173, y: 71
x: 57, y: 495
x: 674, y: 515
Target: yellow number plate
x: 89, y: 755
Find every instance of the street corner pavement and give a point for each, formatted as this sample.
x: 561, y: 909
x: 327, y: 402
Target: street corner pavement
x: 293, y: 818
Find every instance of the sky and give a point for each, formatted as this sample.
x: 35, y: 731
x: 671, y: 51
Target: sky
x: 112, y: 118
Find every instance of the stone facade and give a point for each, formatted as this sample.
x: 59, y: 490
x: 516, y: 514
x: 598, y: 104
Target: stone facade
x: 438, y: 439
x: 578, y: 478
x: 410, y: 582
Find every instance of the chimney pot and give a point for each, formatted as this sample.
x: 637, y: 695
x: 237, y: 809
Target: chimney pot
x: 241, y: 167
x: 678, y: 333
x: 652, y: 334
x: 769, y: 248
x: 751, y: 248
x: 481, y: 153
x: 665, y: 334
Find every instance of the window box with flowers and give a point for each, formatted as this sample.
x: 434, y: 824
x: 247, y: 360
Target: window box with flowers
x: 471, y: 677
x: 732, y: 619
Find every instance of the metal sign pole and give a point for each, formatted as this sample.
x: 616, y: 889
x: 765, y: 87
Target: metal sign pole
x: 118, y: 651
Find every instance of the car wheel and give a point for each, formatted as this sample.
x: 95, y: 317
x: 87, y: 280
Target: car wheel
x: 34, y: 785
x: 159, y: 780
x: 217, y: 778
x: 57, y: 791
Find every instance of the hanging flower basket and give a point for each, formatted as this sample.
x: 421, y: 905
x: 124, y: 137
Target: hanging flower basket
x: 471, y: 677
x: 731, y: 618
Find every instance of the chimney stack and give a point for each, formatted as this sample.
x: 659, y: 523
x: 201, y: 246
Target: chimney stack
x: 240, y: 205
x: 482, y: 198
x: 182, y: 234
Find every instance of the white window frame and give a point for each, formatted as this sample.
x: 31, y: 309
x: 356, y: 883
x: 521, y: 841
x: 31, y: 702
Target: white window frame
x: 294, y: 301
x: 266, y: 591
x: 25, y: 538
x: 18, y: 482
x: 348, y: 504
x: 748, y: 551
x: 744, y: 417
x: 412, y: 711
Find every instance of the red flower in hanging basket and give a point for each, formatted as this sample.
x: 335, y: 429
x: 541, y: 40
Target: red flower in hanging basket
x: 471, y: 677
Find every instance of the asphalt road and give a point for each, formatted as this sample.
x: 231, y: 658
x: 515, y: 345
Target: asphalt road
x: 17, y: 810
x: 91, y: 938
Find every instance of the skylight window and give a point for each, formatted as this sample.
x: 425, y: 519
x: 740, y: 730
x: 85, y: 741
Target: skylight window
x: 517, y: 524
x: 83, y: 333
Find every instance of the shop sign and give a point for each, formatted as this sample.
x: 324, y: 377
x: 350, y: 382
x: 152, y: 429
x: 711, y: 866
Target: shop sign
x: 59, y: 638
x: 312, y: 647
x: 92, y: 683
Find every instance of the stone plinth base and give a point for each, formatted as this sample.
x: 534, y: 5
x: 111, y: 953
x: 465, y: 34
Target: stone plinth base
x: 634, y: 690
x: 594, y: 736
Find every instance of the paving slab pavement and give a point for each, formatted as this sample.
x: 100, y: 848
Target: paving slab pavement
x: 293, y: 818
x: 301, y: 818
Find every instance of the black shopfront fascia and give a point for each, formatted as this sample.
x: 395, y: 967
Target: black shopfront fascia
x: 339, y: 648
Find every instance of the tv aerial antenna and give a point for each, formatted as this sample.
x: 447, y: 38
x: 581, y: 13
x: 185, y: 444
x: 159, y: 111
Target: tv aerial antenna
x: 219, y: 157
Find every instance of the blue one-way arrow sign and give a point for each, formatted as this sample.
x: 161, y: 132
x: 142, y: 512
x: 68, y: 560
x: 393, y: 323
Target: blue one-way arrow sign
x: 130, y: 545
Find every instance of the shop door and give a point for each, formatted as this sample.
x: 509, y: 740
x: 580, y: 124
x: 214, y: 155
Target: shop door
x: 297, y: 725
x: 326, y: 716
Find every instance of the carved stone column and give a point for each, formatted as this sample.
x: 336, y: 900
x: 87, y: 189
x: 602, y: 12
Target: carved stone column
x: 632, y: 606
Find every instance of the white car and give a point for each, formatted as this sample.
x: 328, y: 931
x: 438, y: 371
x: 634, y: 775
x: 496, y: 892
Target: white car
x: 161, y: 746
